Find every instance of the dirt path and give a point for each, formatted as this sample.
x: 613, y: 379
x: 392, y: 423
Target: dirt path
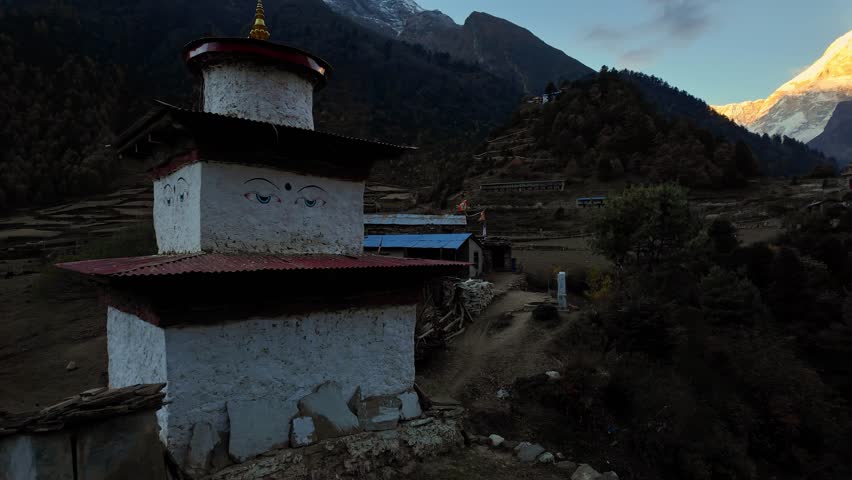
x: 480, y: 463
x: 479, y: 344
x: 503, y: 344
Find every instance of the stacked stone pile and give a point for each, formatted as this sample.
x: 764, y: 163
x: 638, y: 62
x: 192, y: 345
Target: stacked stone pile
x: 475, y: 295
x: 461, y: 301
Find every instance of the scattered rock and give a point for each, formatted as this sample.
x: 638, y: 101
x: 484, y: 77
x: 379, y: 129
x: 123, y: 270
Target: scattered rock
x: 200, y: 452
x: 456, y: 412
x: 376, y: 413
x: 569, y: 467
x: 421, y: 422
x: 546, y: 458
x: 258, y: 426
x: 510, y: 444
x: 528, y: 452
x: 72, y: 365
x: 585, y: 472
x: 303, y: 432
x: 503, y: 394
x: 559, y: 456
x: 410, y: 407
x: 553, y: 375
x: 331, y: 416
x: 381, y: 413
x: 496, y: 440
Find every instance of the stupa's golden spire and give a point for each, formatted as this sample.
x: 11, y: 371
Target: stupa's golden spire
x: 259, y: 30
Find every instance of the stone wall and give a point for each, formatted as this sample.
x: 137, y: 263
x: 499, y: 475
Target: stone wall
x: 365, y: 455
x: 98, y: 434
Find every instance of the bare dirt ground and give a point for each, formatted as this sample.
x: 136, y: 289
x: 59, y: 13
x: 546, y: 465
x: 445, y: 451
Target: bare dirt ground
x: 481, y: 463
x: 42, y: 330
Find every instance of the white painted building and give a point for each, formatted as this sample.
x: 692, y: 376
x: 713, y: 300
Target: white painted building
x: 261, y: 291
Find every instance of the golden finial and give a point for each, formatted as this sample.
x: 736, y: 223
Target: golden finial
x: 259, y: 30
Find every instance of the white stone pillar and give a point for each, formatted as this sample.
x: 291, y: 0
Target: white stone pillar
x: 562, y: 295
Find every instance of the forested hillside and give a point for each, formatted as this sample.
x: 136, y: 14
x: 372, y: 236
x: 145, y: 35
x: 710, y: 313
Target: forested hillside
x: 73, y: 74
x: 628, y: 125
x: 778, y: 155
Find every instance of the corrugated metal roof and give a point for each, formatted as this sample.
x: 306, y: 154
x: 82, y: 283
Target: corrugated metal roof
x: 414, y: 219
x: 449, y: 241
x: 223, y: 263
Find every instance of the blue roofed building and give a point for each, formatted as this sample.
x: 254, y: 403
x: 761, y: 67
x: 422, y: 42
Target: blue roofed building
x: 463, y: 247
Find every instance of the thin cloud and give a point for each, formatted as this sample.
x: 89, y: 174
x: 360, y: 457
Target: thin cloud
x: 682, y: 19
x: 674, y: 22
x: 639, y: 57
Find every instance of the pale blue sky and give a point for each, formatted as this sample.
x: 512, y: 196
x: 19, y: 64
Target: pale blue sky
x: 720, y: 50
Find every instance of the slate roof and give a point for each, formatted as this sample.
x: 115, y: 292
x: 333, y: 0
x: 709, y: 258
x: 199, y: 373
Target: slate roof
x: 92, y: 405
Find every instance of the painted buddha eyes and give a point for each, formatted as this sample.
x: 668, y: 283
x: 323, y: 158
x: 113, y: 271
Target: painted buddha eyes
x: 262, y: 198
x: 177, y: 193
x: 312, y: 196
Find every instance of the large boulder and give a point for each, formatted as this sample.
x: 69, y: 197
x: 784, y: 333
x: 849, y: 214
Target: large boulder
x: 202, y: 446
x: 528, y: 452
x: 330, y: 413
x: 258, y: 426
x: 410, y: 405
x: 585, y: 472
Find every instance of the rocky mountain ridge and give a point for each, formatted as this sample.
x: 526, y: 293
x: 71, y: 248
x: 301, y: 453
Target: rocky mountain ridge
x: 494, y: 44
x: 386, y: 16
x: 802, y: 107
x: 836, y: 139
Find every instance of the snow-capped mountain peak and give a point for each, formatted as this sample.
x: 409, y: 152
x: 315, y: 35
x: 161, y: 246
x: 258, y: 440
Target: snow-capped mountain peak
x: 802, y: 107
x: 835, y: 62
x: 388, y: 16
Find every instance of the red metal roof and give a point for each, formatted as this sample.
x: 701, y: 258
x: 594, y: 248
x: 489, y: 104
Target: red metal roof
x: 224, y: 263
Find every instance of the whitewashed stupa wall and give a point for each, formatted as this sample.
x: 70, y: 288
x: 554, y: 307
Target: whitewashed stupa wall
x: 274, y: 360
x: 177, y: 210
x: 259, y: 92
x: 137, y: 354
x: 254, y: 209
x: 231, y: 208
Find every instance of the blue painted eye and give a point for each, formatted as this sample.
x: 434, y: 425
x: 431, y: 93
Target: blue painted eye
x: 261, y: 198
x: 311, y: 202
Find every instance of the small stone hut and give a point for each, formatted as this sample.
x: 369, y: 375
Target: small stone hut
x: 261, y: 294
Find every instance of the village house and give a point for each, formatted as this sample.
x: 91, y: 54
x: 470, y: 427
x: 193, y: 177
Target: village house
x: 396, y: 223
x: 453, y: 246
x: 261, y: 313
